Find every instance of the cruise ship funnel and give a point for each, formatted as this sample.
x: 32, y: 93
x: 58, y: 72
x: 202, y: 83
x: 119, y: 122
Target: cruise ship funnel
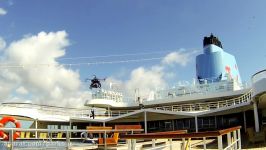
x: 215, y: 64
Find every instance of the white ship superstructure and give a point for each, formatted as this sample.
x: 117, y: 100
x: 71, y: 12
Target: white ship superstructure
x: 216, y: 99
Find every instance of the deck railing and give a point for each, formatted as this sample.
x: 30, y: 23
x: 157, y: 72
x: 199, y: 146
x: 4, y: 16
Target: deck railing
x: 208, y: 105
x: 232, y: 143
x: 86, y: 113
x: 65, y: 142
x: 50, y: 110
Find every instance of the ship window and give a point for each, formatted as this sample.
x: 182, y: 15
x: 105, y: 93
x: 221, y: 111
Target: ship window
x: 186, y: 124
x: 52, y: 127
x: 75, y: 127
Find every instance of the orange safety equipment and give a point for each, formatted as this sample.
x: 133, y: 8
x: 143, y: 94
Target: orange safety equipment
x: 3, y: 122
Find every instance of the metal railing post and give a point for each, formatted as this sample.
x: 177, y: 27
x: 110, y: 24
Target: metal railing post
x: 129, y: 144
x: 11, y: 140
x: 133, y: 144
x: 153, y: 143
x: 67, y: 140
x: 220, y: 142
x: 229, y: 140
x: 239, y: 138
x: 204, y: 143
x: 235, y: 138
x: 104, y: 136
x: 170, y: 144
x: 183, y: 144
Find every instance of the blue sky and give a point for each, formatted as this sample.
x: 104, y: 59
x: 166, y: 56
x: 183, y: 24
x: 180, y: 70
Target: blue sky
x: 106, y: 27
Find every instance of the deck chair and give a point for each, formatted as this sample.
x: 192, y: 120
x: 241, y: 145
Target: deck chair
x: 255, y: 137
x: 110, y: 141
x: 59, y: 135
x: 43, y: 136
x: 27, y: 135
x: 22, y: 135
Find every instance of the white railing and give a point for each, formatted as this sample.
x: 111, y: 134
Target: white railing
x: 233, y: 139
x: 192, y: 107
x: 179, y: 91
x: 208, y: 105
x: 51, y: 110
x: 36, y: 139
x: 86, y: 113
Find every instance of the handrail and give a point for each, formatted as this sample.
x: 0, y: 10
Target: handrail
x: 60, y: 130
x: 232, y: 143
x: 76, y: 112
x: 67, y: 133
x: 208, y: 105
x: 180, y: 134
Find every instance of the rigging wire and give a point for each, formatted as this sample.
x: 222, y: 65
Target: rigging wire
x: 78, y: 64
x: 114, y: 55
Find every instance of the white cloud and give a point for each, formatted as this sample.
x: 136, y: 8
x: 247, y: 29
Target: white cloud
x: 56, y: 85
x: 2, y: 12
x: 22, y: 90
x: 48, y: 84
x: 180, y: 57
x: 145, y: 80
x: 2, y: 43
x: 154, y: 78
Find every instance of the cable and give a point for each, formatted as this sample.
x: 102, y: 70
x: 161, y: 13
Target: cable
x: 114, y: 55
x: 79, y: 64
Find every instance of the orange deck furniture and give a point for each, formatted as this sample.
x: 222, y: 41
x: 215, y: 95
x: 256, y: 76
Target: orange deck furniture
x: 98, y: 129
x: 120, y: 129
x: 110, y: 141
x: 128, y: 127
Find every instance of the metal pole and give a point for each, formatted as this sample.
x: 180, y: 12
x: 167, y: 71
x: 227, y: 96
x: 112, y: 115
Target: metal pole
x: 36, y: 127
x: 196, y: 123
x: 245, y: 121
x: 133, y: 144
x: 104, y: 136
x: 256, y: 118
x: 70, y: 124
x: 183, y: 144
x: 171, y: 144
x: 239, y: 138
x: 129, y: 144
x: 229, y: 138
x: 204, y: 143
x: 11, y: 140
x: 222, y: 121
x: 215, y: 120
x: 108, y: 111
x: 145, y: 121
x: 68, y: 140
x: 235, y: 138
x: 220, y: 142
x: 153, y: 143
x: 173, y: 125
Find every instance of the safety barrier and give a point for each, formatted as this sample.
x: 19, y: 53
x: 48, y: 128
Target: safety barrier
x: 233, y: 139
x: 45, y: 135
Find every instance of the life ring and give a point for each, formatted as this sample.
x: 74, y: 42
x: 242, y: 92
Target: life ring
x: 84, y: 135
x: 3, y: 122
